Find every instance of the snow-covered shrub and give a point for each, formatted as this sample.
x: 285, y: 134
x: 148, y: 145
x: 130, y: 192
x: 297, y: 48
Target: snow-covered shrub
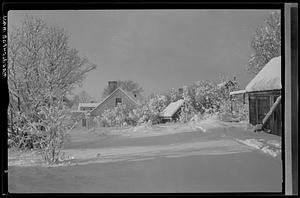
x: 239, y: 112
x: 173, y: 95
x: 55, y: 123
x: 205, y: 96
x: 196, y: 118
x: 157, y: 104
x: 150, y: 111
x: 17, y: 137
x: 187, y: 110
x: 45, y: 129
x: 119, y: 116
x: 142, y: 114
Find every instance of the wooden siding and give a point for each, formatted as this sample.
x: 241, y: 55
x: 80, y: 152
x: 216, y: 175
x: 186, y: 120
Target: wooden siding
x: 110, y: 102
x: 259, y: 105
x: 252, y: 110
x: 174, y: 117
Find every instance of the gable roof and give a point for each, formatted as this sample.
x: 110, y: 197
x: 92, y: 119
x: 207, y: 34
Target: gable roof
x: 171, y: 109
x: 269, y: 77
x: 115, y: 91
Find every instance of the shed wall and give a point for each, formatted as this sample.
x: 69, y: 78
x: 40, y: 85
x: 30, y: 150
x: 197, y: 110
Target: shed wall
x: 259, y: 105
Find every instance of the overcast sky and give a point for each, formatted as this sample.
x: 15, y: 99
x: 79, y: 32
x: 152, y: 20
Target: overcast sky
x: 159, y: 49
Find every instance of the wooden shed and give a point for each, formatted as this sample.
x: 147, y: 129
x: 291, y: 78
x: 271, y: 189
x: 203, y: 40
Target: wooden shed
x: 172, y: 111
x: 263, y: 90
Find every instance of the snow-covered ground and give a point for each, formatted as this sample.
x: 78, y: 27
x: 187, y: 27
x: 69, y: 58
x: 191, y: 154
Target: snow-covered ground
x: 270, y: 147
x: 201, y: 156
x: 242, y: 132
x: 219, y: 132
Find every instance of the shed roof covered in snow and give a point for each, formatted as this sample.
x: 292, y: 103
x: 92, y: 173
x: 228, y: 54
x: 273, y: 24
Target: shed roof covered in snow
x: 269, y: 77
x: 171, y: 109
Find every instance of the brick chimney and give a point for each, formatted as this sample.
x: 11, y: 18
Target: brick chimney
x: 180, y: 92
x: 113, y: 85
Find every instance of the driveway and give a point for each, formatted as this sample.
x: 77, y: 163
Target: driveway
x: 179, y: 162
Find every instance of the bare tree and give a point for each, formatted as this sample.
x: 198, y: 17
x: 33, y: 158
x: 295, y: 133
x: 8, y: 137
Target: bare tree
x: 84, y: 97
x: 128, y: 85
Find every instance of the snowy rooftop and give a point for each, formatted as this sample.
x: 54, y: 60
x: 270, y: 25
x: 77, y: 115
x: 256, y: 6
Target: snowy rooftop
x: 88, y: 104
x: 172, y: 108
x: 269, y: 78
x: 222, y: 84
x: 77, y: 111
x: 237, y: 92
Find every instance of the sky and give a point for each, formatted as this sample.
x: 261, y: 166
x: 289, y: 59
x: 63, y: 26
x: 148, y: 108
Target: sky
x: 159, y: 49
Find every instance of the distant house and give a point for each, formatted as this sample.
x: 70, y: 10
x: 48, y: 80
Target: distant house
x: 82, y: 110
x: 118, y: 96
x: 87, y: 106
x: 172, y: 111
x: 226, y: 84
x: 263, y: 90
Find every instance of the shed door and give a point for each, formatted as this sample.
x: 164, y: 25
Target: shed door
x: 84, y: 122
x: 263, y: 107
x: 252, y: 110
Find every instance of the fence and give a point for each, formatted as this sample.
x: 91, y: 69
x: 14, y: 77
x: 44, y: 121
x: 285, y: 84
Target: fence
x: 92, y: 123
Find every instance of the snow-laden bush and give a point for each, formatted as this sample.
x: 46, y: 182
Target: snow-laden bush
x: 206, y: 96
x: 149, y: 112
x: 239, y: 112
x: 17, y: 136
x: 54, y: 124
x: 173, y: 95
x: 142, y: 114
x: 46, y: 128
x: 119, y: 116
x: 156, y: 105
x: 187, y: 109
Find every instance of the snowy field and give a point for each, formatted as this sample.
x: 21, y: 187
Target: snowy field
x: 232, y: 146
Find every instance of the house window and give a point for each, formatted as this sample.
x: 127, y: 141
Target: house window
x: 118, y: 101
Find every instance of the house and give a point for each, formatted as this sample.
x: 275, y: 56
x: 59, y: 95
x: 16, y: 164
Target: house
x: 172, y: 111
x: 263, y: 91
x: 118, y: 96
x: 82, y: 110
